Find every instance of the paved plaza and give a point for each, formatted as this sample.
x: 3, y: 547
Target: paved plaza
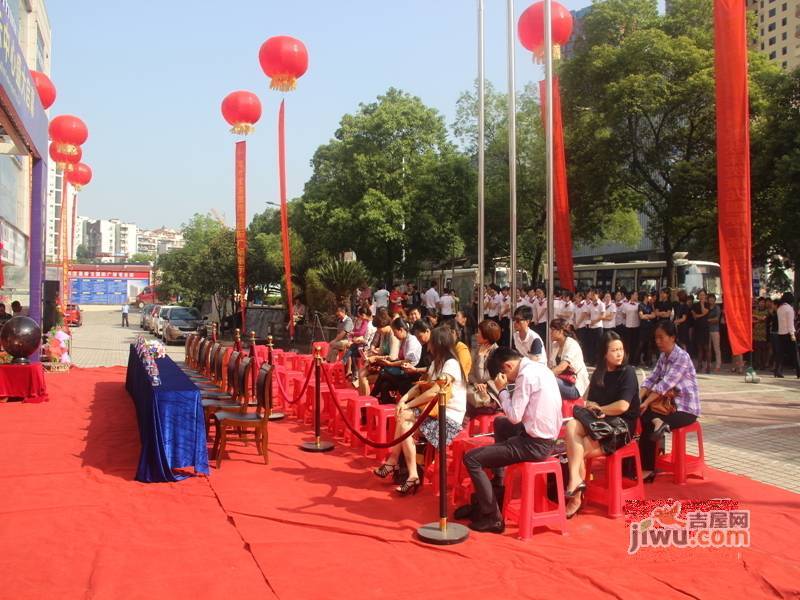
x: 749, y: 429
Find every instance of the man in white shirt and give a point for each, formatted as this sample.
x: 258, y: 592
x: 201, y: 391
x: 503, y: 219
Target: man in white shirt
x: 632, y: 322
x: 786, y: 335
x: 431, y: 298
x: 594, y: 337
x: 526, y: 341
x: 381, y: 297
x: 527, y: 433
x: 540, y: 313
x: 493, y: 305
x: 447, y: 306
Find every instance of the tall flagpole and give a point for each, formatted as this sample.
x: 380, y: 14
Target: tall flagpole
x: 548, y: 77
x: 512, y: 161
x: 481, y: 159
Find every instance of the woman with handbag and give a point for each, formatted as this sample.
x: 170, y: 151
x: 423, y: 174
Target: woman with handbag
x: 568, y: 365
x: 444, y: 365
x: 481, y: 386
x: 608, y: 419
x: 670, y: 398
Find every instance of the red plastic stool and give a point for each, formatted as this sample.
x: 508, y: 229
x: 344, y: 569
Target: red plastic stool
x: 462, y: 483
x: 482, y: 424
x: 567, y: 406
x: 354, y: 408
x: 381, y: 421
x: 678, y: 462
x: 614, y: 490
x: 329, y: 396
x: 432, y: 467
x: 533, y: 508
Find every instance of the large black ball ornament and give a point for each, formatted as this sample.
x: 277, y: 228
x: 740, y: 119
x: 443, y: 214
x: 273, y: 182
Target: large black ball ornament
x: 21, y: 336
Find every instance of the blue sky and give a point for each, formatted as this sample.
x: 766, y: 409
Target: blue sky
x: 148, y: 78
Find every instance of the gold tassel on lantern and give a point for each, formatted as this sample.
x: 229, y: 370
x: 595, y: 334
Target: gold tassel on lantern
x: 283, y: 83
x: 243, y: 129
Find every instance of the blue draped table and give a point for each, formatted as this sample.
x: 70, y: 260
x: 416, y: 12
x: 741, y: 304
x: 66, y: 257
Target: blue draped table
x: 171, y: 424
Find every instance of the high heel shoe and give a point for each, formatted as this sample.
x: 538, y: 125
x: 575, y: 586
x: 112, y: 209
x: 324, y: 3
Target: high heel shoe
x: 580, y: 506
x: 385, y: 470
x: 578, y: 490
x: 409, y: 487
x: 662, y: 430
x: 650, y: 478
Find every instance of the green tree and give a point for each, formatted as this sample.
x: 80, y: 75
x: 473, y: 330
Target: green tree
x: 776, y: 175
x: 342, y: 277
x: 82, y: 253
x: 205, y: 268
x: 387, y: 187
x: 639, y: 112
x: 142, y: 258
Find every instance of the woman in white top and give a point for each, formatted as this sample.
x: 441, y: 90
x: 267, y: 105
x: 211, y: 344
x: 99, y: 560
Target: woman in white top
x: 445, y: 365
x: 632, y: 322
x: 447, y: 305
x: 610, y: 316
x: 786, y: 335
x: 567, y: 364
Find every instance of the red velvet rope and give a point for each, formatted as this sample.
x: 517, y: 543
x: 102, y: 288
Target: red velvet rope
x: 368, y: 442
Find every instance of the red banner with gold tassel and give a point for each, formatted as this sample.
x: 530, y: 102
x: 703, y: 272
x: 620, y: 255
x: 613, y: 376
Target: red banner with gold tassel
x: 733, y: 170
x: 65, y: 291
x: 287, y: 256
x: 562, y: 229
x: 241, y: 227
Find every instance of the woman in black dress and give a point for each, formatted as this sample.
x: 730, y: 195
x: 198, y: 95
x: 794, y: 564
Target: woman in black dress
x: 613, y: 392
x: 700, y: 312
x: 682, y: 321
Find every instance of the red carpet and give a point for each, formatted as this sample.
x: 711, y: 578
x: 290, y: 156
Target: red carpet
x: 74, y: 524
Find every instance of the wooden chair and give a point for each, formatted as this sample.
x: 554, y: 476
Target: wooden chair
x: 228, y: 399
x: 242, y: 420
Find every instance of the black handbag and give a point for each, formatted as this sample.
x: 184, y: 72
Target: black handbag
x: 601, y: 428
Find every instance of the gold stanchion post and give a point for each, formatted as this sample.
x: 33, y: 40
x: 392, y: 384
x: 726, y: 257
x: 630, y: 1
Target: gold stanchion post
x: 273, y: 415
x: 318, y: 445
x: 442, y: 533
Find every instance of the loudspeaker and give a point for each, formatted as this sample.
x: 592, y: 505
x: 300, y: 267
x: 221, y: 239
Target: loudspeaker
x: 49, y: 297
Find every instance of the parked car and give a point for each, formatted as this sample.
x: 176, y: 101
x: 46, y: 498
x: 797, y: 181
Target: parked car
x: 152, y: 317
x: 73, y: 315
x: 177, y: 322
x: 147, y: 310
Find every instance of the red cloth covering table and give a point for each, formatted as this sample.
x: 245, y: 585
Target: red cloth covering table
x: 23, y: 381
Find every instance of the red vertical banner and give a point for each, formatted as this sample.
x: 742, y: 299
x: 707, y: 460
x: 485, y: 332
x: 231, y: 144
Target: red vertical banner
x: 241, y: 228
x: 562, y: 229
x: 287, y: 256
x: 733, y: 170
x: 65, y: 291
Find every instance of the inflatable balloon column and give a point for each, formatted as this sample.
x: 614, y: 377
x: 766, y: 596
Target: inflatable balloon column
x: 284, y: 60
x: 68, y: 134
x: 242, y: 110
x: 530, y: 29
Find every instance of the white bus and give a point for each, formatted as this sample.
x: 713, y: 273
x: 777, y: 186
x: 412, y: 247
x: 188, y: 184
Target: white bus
x: 690, y: 276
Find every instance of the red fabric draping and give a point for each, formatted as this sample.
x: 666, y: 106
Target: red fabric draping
x: 65, y: 291
x: 23, y: 381
x: 562, y: 229
x: 287, y: 256
x: 733, y: 170
x: 241, y: 227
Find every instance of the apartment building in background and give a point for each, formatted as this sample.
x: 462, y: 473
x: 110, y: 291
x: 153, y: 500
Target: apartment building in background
x: 159, y: 241
x: 778, y: 31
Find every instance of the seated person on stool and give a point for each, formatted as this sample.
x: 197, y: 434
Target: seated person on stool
x: 526, y: 341
x: 674, y: 372
x: 613, y: 392
x: 444, y: 364
x: 344, y: 327
x: 401, y: 374
x: 379, y: 348
x: 360, y: 338
x: 567, y: 360
x: 480, y: 383
x: 528, y: 433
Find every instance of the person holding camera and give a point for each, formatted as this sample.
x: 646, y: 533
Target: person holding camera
x: 612, y: 399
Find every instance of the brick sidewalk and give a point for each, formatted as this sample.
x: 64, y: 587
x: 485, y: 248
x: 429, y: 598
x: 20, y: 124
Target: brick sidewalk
x: 748, y: 429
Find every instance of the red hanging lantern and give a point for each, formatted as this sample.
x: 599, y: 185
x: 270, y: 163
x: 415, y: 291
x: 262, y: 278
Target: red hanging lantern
x: 241, y: 110
x: 284, y: 60
x: 530, y: 28
x: 45, y: 87
x: 68, y: 132
x: 80, y: 176
x: 64, y: 161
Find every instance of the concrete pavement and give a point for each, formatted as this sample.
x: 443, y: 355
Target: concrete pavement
x: 748, y: 429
